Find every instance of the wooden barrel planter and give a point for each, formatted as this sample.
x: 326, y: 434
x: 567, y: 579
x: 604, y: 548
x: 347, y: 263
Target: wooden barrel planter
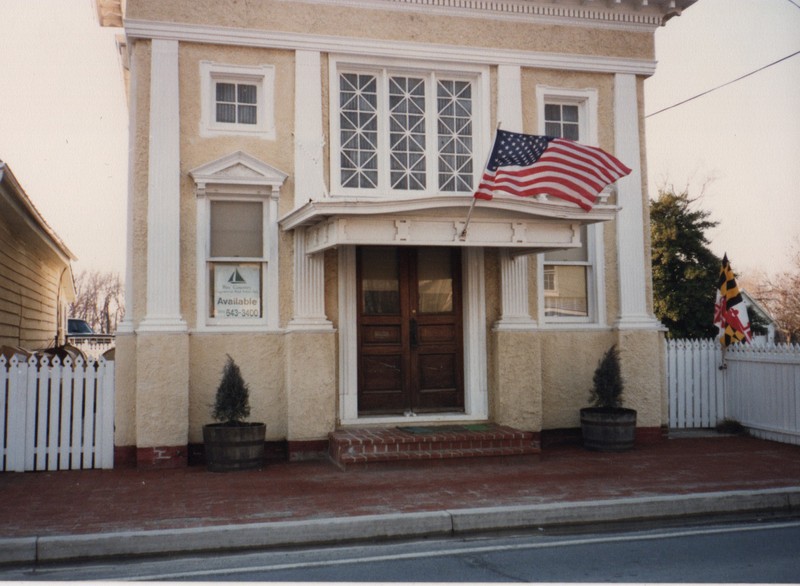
x: 608, y: 430
x: 234, y: 447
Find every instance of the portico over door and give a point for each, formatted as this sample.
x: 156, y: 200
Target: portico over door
x: 410, y: 338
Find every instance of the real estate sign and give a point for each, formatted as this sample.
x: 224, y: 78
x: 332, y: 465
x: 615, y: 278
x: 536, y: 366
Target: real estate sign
x: 237, y: 291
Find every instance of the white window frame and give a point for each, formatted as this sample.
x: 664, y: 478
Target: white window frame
x: 587, y: 102
x: 210, y: 261
x: 238, y: 177
x: 261, y: 76
x: 478, y: 76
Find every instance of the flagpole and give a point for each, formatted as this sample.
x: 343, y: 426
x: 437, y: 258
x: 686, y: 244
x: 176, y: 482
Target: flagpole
x: 463, y: 235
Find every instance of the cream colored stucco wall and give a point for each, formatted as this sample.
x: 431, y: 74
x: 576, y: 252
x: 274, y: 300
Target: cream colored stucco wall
x: 197, y: 151
x: 125, y: 390
x: 311, y: 384
x: 260, y: 357
x: 162, y: 390
x: 569, y: 359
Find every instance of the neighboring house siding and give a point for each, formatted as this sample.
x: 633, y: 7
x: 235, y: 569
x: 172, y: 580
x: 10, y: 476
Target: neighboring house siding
x: 33, y: 272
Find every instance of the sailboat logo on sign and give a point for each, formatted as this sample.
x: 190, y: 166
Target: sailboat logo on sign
x: 236, y: 278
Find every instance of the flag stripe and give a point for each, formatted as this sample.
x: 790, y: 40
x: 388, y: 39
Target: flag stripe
x: 528, y: 165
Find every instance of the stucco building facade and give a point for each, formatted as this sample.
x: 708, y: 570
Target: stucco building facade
x: 300, y: 176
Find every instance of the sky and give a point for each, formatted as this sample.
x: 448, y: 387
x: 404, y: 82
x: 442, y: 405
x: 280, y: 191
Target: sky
x: 63, y: 124
x: 742, y: 142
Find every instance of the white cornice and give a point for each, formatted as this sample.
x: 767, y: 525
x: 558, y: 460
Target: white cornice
x: 144, y: 29
x: 630, y: 15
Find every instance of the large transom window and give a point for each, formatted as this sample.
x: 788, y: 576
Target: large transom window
x: 397, y: 131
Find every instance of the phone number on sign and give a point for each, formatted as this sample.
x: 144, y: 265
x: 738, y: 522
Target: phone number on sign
x: 241, y: 313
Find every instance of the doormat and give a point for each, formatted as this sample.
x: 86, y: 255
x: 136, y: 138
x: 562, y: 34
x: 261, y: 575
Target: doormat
x: 422, y: 430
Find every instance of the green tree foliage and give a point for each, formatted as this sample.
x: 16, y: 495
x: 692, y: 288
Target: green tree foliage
x: 232, y: 404
x: 685, y: 271
x: 607, y: 382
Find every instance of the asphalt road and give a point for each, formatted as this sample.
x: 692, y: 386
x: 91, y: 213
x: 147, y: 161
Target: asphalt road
x: 755, y: 552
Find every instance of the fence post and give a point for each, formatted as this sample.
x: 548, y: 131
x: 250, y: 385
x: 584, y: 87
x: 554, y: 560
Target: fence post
x: 105, y: 410
x: 17, y: 403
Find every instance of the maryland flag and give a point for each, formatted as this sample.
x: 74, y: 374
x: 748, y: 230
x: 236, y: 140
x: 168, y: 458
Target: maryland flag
x: 730, y: 311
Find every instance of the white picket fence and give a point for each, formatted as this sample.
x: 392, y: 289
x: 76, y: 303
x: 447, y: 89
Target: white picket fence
x: 56, y: 415
x: 759, y: 387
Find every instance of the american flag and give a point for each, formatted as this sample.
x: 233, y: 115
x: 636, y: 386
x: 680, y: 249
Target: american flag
x: 528, y: 165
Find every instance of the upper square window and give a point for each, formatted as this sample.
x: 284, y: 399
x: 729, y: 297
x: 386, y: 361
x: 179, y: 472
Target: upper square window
x: 237, y: 99
x: 404, y: 131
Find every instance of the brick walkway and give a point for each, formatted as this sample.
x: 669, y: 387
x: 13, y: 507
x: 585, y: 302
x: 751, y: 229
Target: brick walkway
x: 77, y: 502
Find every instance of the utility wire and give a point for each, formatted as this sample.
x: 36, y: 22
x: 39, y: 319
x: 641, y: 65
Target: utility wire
x: 724, y: 84
x: 793, y: 2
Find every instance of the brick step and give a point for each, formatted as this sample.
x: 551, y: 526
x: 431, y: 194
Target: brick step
x: 360, y: 446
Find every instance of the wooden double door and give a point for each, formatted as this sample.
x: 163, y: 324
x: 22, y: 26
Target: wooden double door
x: 410, y: 340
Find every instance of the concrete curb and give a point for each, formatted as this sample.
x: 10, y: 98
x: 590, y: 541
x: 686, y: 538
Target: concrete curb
x: 396, y: 525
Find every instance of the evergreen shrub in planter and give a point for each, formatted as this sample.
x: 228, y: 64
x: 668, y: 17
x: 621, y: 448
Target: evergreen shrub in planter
x: 233, y: 444
x: 607, y: 426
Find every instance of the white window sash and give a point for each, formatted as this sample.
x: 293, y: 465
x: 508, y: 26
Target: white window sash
x: 587, y: 102
x: 261, y: 76
x: 431, y: 73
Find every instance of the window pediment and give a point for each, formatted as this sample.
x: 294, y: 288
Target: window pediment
x: 238, y: 173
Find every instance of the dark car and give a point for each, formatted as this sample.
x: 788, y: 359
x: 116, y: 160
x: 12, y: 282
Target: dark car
x: 79, y: 327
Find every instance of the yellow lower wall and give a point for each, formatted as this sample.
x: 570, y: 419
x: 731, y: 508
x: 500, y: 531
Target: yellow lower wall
x: 260, y: 357
x: 539, y: 381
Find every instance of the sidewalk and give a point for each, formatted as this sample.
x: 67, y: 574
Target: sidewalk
x: 64, y: 515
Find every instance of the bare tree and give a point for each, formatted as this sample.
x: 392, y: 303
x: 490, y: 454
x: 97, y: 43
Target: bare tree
x: 781, y: 296
x: 99, y: 300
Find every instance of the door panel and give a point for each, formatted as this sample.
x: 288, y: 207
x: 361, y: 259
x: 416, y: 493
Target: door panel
x: 409, y: 330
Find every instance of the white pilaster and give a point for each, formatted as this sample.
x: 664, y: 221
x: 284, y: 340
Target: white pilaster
x: 515, y: 313
x: 126, y: 325
x: 309, y: 183
x: 348, y: 335
x: 309, y: 287
x: 630, y: 219
x: 514, y: 293
x: 476, y: 388
x: 163, y: 312
x: 509, y: 97
x: 309, y: 178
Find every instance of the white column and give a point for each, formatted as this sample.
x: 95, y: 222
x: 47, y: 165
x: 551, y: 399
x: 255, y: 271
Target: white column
x: 515, y: 312
x: 630, y: 219
x: 309, y: 183
x: 163, y: 312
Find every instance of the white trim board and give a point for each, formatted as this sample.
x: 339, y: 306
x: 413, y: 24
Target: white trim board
x: 145, y: 29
